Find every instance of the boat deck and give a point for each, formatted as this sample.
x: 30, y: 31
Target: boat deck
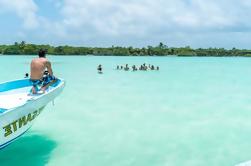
x: 14, y: 98
x: 17, y: 93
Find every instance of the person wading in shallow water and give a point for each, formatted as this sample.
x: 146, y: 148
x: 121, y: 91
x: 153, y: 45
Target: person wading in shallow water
x: 99, y: 69
x: 37, y: 69
x: 26, y: 75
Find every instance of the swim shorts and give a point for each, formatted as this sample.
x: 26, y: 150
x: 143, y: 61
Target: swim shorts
x: 36, y: 84
x: 47, y: 79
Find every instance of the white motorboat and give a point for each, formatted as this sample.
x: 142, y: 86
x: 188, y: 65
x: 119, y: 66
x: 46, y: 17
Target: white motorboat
x: 19, y: 108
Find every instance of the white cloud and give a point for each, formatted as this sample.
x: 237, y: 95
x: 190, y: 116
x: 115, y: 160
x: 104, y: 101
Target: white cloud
x: 136, y: 21
x: 141, y: 17
x: 25, y: 9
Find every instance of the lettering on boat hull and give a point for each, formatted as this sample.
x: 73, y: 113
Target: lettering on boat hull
x: 21, y: 122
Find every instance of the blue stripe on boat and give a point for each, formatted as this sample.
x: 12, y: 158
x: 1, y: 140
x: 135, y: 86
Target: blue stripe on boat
x: 2, y: 110
x: 14, y: 85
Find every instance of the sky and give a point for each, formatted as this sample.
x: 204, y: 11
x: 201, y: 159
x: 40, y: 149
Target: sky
x: 137, y: 23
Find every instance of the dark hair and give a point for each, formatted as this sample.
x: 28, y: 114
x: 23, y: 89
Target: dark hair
x: 41, y: 53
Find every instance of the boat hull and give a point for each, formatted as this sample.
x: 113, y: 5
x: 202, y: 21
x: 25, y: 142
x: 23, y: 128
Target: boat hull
x: 17, y: 121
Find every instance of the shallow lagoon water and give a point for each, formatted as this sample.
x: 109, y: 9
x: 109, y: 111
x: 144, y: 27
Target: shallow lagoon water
x: 194, y: 111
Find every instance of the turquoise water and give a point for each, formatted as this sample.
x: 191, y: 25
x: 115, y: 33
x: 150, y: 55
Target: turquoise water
x: 194, y: 111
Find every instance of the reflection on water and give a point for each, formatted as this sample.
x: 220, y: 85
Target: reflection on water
x: 29, y: 150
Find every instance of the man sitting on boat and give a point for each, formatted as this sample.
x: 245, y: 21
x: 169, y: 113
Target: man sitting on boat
x: 37, y: 69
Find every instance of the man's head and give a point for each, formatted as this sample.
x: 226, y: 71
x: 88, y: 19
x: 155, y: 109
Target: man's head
x: 41, y: 53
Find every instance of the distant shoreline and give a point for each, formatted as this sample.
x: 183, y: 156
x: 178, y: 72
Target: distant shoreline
x: 160, y: 50
x: 211, y: 56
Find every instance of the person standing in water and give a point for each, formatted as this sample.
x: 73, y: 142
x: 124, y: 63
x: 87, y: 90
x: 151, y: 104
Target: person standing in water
x: 126, y: 67
x: 37, y: 68
x: 99, y: 69
x: 26, y: 75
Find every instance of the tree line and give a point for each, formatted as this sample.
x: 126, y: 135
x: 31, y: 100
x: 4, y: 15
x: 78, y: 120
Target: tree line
x: 161, y: 49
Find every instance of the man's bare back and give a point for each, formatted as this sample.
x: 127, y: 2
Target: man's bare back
x: 37, y: 69
x: 38, y: 66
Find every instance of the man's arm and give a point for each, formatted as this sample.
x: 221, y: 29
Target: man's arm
x: 48, y: 66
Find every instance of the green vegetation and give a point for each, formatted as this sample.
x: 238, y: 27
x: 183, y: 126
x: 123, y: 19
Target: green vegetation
x: 23, y: 48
